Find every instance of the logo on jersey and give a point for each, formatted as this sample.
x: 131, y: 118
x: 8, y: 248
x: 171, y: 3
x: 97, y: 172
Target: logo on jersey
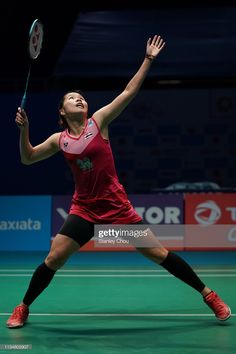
x: 85, y: 164
x: 90, y: 122
x: 65, y: 144
x: 207, y: 213
x: 88, y: 135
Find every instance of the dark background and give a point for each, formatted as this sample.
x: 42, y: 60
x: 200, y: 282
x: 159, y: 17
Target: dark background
x: 181, y: 126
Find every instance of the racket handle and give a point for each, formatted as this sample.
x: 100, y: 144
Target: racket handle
x: 23, y: 102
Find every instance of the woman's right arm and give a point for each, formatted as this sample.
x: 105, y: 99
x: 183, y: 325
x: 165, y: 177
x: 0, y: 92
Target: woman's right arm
x: 31, y: 154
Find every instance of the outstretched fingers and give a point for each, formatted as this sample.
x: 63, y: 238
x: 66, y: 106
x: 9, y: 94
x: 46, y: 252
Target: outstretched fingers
x: 158, y: 42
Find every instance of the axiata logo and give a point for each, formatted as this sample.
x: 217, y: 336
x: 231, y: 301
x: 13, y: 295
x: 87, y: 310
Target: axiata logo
x: 20, y: 225
x: 207, y: 213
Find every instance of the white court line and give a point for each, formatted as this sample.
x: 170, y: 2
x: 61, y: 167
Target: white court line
x: 119, y: 314
x: 119, y: 270
x: 119, y: 275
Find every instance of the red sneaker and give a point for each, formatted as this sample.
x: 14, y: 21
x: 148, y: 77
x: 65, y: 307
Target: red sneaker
x: 221, y: 310
x: 18, y: 317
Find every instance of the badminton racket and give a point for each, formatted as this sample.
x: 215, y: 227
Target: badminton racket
x: 34, y: 48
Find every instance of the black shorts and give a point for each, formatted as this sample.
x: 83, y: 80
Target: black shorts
x: 79, y: 229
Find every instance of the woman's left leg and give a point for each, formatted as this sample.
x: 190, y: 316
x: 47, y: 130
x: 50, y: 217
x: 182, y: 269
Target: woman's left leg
x: 177, y: 266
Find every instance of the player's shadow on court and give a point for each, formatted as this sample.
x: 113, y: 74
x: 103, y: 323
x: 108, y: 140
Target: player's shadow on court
x: 170, y: 325
x: 166, y: 333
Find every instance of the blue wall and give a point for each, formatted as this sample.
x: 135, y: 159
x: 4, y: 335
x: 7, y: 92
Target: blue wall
x: 164, y: 136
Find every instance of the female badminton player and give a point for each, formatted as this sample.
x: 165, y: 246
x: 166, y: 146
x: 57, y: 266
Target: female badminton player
x: 99, y: 198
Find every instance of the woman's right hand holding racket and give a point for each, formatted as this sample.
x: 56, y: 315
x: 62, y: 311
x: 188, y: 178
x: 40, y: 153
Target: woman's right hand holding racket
x: 21, y: 118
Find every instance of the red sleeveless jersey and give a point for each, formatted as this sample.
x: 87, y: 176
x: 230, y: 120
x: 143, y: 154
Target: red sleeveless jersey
x: 98, y: 195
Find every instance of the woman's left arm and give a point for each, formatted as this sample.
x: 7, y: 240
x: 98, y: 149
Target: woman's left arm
x: 109, y: 112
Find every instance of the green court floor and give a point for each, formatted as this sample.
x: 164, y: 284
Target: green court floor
x: 118, y: 308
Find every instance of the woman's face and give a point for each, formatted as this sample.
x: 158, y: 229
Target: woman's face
x: 74, y: 104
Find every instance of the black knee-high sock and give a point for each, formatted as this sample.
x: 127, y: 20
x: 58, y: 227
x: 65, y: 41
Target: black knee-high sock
x: 39, y: 281
x: 180, y: 269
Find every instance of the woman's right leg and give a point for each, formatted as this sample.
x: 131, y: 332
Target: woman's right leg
x: 79, y: 231
x: 61, y: 249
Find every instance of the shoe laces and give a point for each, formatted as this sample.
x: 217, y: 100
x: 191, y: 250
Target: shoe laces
x: 216, y: 302
x: 19, y: 311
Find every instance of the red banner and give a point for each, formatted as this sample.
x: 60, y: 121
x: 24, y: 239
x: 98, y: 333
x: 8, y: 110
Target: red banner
x: 214, y: 217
